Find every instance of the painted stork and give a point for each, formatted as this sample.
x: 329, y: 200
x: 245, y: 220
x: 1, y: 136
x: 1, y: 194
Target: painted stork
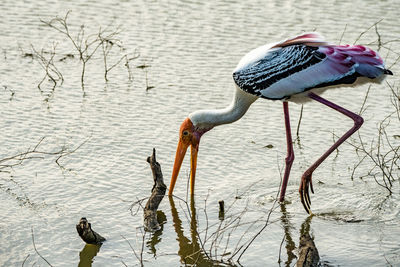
x: 297, y: 69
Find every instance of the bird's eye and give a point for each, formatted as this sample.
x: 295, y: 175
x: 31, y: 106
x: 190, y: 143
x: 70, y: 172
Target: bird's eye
x: 185, y: 133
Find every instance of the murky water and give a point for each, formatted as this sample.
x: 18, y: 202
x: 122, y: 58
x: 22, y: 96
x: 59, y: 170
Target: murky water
x: 190, y: 49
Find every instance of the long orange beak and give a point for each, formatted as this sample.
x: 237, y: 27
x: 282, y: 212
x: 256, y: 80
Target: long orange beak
x: 180, y: 155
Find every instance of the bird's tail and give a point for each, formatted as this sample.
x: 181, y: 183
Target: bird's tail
x: 365, y: 61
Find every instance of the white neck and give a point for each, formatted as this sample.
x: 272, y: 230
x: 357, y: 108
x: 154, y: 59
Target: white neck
x: 207, y: 119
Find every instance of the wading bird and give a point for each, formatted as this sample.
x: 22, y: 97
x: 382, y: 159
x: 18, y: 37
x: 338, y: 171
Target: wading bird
x: 297, y: 69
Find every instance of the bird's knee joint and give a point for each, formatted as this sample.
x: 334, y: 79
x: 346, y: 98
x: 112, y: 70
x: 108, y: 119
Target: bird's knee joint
x: 358, y: 121
x: 290, y: 158
x: 306, y: 174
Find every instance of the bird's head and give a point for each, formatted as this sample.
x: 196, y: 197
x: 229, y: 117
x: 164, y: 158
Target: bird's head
x: 189, y: 135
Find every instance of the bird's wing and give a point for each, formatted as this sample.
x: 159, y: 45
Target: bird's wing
x: 276, y: 65
x: 292, y: 69
x: 310, y: 39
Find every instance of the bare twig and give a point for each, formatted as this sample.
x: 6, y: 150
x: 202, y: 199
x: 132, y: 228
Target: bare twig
x: 379, y: 37
x: 37, y: 252
x: 139, y: 205
x: 142, y: 248
x: 27, y: 256
x: 34, y: 153
x: 383, y: 155
x: 133, y: 250
x: 364, y: 32
x: 51, y: 71
x: 261, y: 230
x: 298, y: 124
x: 344, y: 30
x: 66, y: 153
x: 107, y: 43
x: 362, y: 109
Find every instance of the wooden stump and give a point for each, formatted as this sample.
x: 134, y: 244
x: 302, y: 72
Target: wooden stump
x: 85, y: 231
x: 308, y: 253
x: 157, y: 194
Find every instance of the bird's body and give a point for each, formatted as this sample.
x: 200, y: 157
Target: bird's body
x: 292, y: 70
x: 286, y: 69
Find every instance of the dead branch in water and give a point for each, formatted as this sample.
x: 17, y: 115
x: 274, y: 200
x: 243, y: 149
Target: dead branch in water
x: 8, y: 163
x: 51, y: 71
x: 107, y: 44
x: 382, y: 152
x: 379, y: 158
x: 308, y: 253
x: 157, y: 194
x: 86, y: 45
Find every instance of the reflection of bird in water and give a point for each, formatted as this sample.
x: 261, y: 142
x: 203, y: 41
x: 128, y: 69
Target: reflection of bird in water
x: 190, y: 250
x: 296, y: 69
x: 288, y: 227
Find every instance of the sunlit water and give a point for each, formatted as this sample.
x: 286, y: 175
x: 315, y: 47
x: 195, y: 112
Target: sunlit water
x: 190, y: 49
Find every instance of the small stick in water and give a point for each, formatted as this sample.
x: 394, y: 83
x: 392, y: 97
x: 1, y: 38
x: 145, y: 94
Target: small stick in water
x: 85, y: 231
x: 221, y: 215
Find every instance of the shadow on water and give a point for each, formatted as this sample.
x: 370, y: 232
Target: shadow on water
x: 287, y: 227
x: 87, y: 254
x: 190, y: 249
x: 305, y: 226
x: 291, y: 249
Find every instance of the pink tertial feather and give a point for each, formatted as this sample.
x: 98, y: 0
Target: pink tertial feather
x: 310, y: 39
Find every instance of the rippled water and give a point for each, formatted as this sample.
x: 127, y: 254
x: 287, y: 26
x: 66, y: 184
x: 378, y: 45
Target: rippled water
x: 190, y: 49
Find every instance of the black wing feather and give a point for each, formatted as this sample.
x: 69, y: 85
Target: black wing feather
x: 276, y: 65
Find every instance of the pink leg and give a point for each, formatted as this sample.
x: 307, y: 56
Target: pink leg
x: 290, y: 155
x: 306, y: 179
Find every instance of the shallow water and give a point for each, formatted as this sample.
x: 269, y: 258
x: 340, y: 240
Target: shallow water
x: 190, y: 49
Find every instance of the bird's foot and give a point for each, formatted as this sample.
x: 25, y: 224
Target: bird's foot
x: 305, y: 184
